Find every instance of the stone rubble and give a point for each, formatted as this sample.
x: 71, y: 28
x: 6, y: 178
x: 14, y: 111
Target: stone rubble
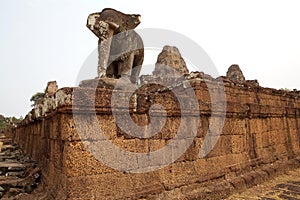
x: 18, y: 174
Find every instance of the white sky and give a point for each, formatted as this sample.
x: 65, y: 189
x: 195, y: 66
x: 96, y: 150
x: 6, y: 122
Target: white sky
x: 45, y: 40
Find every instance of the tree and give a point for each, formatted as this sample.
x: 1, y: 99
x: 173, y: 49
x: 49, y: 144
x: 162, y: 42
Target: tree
x: 37, y: 98
x: 3, y: 123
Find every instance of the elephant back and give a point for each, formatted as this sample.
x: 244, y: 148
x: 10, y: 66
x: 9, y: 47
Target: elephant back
x: 124, y: 21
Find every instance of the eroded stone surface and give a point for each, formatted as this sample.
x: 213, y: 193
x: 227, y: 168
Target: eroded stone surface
x: 170, y: 63
x: 51, y: 88
x: 235, y: 74
x: 170, y: 71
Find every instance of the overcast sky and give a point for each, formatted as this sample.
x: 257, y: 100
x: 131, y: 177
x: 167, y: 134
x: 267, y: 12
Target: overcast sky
x: 45, y: 40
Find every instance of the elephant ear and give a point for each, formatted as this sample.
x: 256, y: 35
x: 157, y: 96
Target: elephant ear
x: 125, y: 22
x: 100, y: 22
x: 132, y: 21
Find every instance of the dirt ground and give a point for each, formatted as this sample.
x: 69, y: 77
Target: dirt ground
x: 286, y: 186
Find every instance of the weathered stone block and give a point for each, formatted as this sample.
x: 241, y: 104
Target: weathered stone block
x: 77, y: 161
x: 192, y: 153
x: 178, y: 174
x: 203, y: 126
x: 68, y: 128
x: 238, y: 143
x: 234, y: 126
x: 104, y: 186
x: 223, y: 145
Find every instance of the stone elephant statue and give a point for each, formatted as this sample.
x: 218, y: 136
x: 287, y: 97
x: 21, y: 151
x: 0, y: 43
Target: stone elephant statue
x: 126, y: 56
x: 121, y: 50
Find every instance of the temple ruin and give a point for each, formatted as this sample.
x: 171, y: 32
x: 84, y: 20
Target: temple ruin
x: 260, y: 137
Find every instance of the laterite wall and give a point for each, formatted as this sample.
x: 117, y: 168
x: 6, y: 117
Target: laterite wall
x: 260, y: 138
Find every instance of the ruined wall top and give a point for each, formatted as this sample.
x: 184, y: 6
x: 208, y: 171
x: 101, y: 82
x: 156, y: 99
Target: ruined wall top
x: 51, y: 89
x: 170, y: 61
x: 235, y: 74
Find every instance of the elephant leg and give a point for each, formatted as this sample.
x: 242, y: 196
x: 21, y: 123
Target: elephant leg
x: 111, y: 71
x: 103, y: 53
x: 135, y: 73
x: 126, y: 66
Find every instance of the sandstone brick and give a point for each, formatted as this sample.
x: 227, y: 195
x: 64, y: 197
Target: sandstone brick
x: 77, y: 161
x: 246, y: 97
x: 203, y: 127
x: 132, y: 145
x: 35, y: 153
x: 154, y: 145
x: 104, y: 186
x: 265, y: 139
x: 192, y: 152
x: 128, y: 126
x: 216, y: 125
x: 203, y: 95
x: 294, y: 137
x: 168, y: 100
x: 54, y: 127
x: 171, y: 128
x: 108, y: 126
x: 55, y: 181
x: 238, y: 143
x: 88, y: 126
x: 233, y: 126
x: 220, y: 164
x: 255, y: 125
x: 56, y: 155
x: 178, y: 174
x: 68, y: 128
x: 223, y: 146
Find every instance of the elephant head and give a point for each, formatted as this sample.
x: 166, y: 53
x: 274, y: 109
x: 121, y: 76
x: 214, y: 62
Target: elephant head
x: 113, y: 19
